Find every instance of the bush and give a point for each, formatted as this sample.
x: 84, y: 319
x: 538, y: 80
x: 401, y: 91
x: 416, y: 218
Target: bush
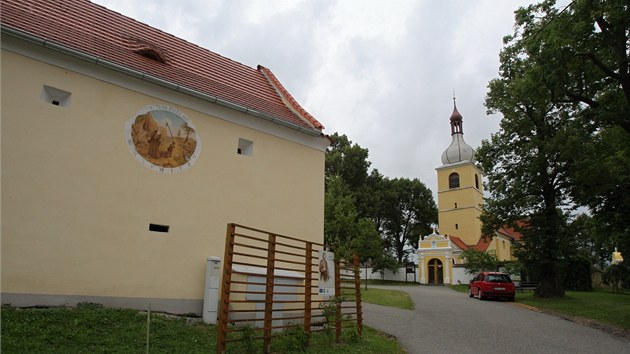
x: 618, y: 276
x: 578, y: 274
x: 297, y: 339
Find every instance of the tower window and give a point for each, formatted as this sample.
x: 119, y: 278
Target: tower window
x: 453, y: 180
x: 456, y: 227
x: 455, y: 205
x: 476, y: 181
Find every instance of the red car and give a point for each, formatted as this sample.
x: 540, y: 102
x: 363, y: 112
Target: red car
x: 492, y: 284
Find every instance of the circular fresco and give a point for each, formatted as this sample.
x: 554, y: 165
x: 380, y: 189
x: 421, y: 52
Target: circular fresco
x: 163, y: 139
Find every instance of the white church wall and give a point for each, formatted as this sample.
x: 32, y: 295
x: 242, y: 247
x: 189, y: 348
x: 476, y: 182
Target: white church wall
x: 460, y: 276
x: 400, y: 275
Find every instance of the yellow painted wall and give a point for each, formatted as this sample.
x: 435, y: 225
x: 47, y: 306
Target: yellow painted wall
x: 502, y: 248
x: 435, y: 247
x: 76, y: 205
x: 461, y: 220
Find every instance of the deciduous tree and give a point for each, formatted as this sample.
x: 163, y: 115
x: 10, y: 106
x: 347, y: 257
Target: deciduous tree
x: 564, y: 92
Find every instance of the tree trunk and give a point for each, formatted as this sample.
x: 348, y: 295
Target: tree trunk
x: 551, y: 278
x: 550, y: 283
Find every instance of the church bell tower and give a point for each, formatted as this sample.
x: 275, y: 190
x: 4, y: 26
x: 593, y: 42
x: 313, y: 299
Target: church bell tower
x: 460, y: 191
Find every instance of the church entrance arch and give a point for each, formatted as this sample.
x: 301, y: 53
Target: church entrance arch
x: 436, y: 274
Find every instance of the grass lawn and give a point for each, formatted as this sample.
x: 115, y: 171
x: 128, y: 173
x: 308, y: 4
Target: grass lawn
x: 601, y: 305
x: 93, y: 328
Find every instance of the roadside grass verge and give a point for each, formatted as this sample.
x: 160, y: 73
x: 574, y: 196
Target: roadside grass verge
x: 386, y: 297
x: 601, y: 304
x: 92, y: 328
x: 388, y: 282
x: 462, y: 288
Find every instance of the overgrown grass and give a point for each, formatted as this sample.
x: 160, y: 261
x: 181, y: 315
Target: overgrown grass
x: 600, y: 305
x: 92, y: 328
x: 386, y: 297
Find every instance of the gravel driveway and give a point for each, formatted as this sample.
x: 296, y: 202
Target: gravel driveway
x: 447, y: 321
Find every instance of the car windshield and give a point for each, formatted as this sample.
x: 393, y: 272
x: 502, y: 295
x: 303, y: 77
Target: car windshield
x: 498, y: 278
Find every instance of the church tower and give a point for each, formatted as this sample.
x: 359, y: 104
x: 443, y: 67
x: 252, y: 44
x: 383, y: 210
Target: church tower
x: 460, y: 191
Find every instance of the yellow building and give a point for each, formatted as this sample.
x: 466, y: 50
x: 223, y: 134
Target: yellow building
x: 126, y: 151
x: 616, y: 257
x: 460, y: 200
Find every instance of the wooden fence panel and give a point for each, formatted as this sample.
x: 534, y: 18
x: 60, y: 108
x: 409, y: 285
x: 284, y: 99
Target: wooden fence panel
x: 269, y: 284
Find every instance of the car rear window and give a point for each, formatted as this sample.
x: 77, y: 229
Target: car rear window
x: 498, y: 278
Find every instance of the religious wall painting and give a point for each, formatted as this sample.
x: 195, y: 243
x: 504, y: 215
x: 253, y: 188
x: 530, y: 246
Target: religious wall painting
x: 163, y: 139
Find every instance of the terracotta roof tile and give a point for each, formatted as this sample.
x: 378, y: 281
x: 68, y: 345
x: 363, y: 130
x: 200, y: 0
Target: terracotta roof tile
x: 110, y: 36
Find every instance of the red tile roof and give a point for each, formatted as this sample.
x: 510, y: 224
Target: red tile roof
x: 482, y: 244
x: 511, y: 233
x: 109, y: 36
x: 458, y: 242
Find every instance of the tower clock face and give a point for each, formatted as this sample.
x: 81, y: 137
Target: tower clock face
x: 163, y: 139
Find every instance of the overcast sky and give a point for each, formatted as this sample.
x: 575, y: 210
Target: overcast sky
x: 381, y: 72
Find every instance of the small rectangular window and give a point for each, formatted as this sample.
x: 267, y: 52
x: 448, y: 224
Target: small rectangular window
x: 158, y: 228
x: 55, y: 96
x: 245, y: 147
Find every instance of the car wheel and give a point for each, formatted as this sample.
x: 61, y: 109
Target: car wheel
x: 470, y: 294
x: 511, y: 298
x: 481, y: 297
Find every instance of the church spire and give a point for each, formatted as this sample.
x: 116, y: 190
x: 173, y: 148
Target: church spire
x: 456, y: 120
x: 458, y: 151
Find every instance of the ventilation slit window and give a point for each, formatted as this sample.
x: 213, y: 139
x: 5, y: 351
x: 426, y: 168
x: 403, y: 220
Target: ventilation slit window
x: 159, y: 228
x: 55, y: 96
x: 245, y: 147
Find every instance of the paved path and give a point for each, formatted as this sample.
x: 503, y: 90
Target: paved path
x: 446, y: 321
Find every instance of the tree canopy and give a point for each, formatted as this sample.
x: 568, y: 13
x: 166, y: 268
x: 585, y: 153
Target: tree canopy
x: 564, y: 93
x: 379, y: 218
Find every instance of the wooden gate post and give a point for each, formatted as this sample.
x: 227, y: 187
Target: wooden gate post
x: 308, y: 274
x: 337, y: 302
x: 271, y: 259
x: 225, y: 288
x: 357, y: 294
